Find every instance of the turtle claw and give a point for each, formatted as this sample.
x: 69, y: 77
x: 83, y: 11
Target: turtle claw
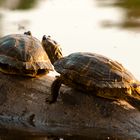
x: 49, y: 100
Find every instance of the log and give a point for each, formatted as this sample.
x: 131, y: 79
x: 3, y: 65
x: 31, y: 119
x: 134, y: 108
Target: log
x: 23, y: 111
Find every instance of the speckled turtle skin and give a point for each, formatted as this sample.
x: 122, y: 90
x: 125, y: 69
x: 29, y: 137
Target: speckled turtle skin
x: 98, y: 75
x: 23, y: 54
x: 52, y: 48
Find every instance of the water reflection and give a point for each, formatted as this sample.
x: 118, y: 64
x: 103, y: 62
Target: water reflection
x: 130, y: 13
x: 18, y: 4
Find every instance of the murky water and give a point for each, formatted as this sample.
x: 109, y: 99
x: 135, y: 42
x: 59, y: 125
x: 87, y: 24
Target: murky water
x: 100, y: 26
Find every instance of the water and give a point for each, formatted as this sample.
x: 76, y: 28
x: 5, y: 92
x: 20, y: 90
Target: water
x: 99, y: 26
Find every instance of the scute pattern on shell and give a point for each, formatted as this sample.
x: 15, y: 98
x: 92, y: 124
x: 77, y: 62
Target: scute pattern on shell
x: 90, y: 70
x: 23, y: 52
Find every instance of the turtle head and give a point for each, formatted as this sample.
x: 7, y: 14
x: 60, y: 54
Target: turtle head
x: 52, y: 48
x: 28, y: 33
x: 48, y: 42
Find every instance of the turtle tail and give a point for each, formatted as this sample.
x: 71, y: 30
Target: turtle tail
x: 55, y: 90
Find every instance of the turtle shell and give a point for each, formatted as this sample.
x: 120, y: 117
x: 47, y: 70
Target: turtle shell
x: 93, y: 70
x: 23, y: 52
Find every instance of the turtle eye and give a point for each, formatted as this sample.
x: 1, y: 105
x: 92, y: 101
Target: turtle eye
x: 55, y: 42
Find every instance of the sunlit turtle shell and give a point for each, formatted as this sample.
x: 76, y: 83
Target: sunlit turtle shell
x: 93, y: 70
x: 23, y: 54
x: 98, y: 75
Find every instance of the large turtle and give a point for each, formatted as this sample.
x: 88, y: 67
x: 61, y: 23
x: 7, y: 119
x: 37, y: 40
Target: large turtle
x: 23, y: 54
x: 98, y: 75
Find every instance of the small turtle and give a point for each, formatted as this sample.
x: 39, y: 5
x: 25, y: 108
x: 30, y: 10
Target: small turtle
x: 52, y: 48
x: 98, y: 75
x: 23, y: 54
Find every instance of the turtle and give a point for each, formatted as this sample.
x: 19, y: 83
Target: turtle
x: 23, y: 54
x: 52, y: 48
x: 98, y: 75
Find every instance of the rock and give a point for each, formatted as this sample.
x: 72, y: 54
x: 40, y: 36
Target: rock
x: 23, y: 111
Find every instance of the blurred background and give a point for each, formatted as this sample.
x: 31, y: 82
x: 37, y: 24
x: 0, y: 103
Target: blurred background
x: 108, y: 27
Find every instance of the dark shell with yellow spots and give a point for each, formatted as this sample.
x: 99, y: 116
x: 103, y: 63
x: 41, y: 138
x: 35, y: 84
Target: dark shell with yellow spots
x: 23, y: 55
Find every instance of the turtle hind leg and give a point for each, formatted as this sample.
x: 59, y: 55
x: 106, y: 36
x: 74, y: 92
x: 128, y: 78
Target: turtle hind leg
x: 54, y: 90
x: 135, y: 102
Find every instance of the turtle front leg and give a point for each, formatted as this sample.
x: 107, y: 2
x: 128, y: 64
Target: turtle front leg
x: 54, y: 90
